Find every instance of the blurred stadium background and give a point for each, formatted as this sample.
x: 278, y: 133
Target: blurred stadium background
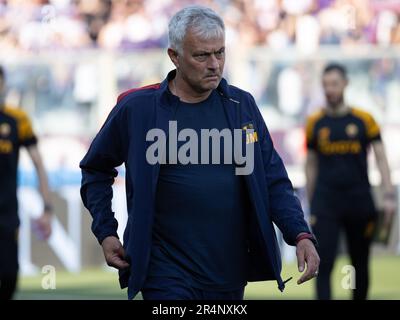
x: 67, y: 61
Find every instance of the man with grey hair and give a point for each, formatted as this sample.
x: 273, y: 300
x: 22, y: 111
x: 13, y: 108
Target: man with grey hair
x: 195, y: 230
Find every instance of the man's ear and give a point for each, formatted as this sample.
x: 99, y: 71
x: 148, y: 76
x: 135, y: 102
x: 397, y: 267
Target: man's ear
x: 173, y: 55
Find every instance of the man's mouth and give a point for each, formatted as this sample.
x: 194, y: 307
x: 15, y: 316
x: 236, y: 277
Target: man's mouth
x: 331, y: 98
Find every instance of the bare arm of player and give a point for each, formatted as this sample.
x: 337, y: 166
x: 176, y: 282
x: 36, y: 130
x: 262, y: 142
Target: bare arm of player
x: 311, y: 169
x: 44, y: 222
x: 389, y: 201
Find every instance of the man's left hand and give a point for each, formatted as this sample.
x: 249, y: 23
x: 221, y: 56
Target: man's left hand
x: 307, y: 254
x: 43, y: 224
x: 389, y: 209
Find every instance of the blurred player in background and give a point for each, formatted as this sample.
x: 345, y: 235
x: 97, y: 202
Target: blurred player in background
x: 16, y: 131
x: 338, y: 138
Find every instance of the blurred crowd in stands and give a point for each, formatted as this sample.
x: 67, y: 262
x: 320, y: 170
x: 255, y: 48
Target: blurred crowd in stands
x: 137, y: 24
x: 80, y: 85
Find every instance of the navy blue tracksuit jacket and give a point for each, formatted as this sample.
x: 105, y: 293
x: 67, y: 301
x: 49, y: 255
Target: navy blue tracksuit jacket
x: 122, y: 140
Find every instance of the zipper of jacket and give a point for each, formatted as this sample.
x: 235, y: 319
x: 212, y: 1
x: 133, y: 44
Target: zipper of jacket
x: 154, y: 188
x: 281, y: 283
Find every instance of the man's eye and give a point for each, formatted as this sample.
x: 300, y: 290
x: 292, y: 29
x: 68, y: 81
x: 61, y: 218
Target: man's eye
x: 201, y: 56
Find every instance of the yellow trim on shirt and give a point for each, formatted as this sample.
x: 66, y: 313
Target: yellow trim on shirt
x: 310, y: 124
x: 371, y: 126
x: 25, y: 130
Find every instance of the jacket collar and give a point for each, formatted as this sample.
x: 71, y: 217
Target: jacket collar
x: 168, y: 99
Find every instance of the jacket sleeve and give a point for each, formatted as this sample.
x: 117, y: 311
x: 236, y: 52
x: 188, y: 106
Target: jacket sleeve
x: 285, y: 208
x: 107, y: 151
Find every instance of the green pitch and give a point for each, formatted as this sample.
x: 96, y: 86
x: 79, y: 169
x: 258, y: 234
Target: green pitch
x: 103, y: 284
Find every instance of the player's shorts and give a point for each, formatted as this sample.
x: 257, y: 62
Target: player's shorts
x: 8, y: 252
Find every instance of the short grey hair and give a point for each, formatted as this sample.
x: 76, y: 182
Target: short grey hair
x: 203, y: 21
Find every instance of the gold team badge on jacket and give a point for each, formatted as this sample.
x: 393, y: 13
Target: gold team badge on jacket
x: 251, y: 137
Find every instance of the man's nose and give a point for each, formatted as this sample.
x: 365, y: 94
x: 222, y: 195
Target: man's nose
x: 213, y: 62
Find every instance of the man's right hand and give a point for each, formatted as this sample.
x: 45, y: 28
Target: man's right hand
x: 114, y: 253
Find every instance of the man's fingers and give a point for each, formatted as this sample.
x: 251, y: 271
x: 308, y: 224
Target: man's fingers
x: 306, y: 276
x: 114, y: 253
x: 44, y: 228
x: 300, y: 260
x: 117, y: 259
x: 117, y: 262
x: 121, y: 252
x: 46, y: 233
x: 311, y: 272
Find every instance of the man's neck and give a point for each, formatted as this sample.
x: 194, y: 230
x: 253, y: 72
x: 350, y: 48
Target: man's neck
x: 338, y: 110
x: 181, y: 89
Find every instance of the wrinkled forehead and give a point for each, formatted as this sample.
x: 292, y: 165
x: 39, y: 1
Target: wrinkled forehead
x: 211, y: 41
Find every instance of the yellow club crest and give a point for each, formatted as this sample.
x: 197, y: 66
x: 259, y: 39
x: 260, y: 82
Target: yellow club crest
x: 5, y: 129
x: 351, y: 130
